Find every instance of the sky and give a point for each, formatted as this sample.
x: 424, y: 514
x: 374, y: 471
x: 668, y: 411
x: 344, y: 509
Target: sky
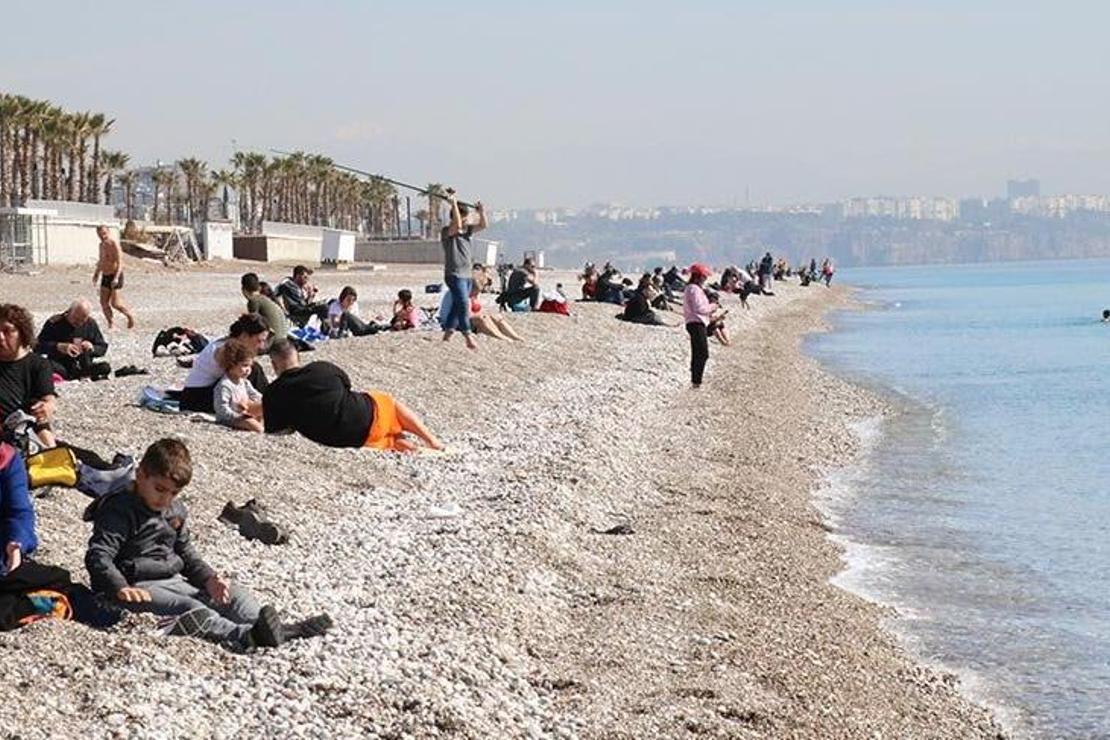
x: 548, y: 104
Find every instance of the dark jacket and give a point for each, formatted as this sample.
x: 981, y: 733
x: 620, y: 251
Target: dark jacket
x: 132, y: 543
x: 57, y: 329
x: 17, y: 515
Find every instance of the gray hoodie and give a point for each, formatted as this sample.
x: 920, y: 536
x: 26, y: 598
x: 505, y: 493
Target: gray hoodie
x: 132, y: 543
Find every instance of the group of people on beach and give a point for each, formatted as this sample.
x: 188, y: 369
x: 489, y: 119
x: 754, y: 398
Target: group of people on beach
x: 702, y: 310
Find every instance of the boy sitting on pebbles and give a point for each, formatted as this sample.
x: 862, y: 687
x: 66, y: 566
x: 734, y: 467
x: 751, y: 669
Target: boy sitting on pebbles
x: 141, y: 555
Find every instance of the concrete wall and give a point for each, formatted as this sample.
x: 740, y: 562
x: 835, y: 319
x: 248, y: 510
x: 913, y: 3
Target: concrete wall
x: 338, y: 246
x: 74, y: 242
x: 218, y: 242
x: 406, y: 252
x: 276, y: 249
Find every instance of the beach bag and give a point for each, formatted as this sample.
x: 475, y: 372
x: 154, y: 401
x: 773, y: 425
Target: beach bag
x: 550, y: 306
x: 56, y: 466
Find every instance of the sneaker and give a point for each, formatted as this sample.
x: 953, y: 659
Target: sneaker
x: 190, y: 624
x: 254, y: 527
x: 232, y: 514
x: 316, y: 626
x: 267, y: 631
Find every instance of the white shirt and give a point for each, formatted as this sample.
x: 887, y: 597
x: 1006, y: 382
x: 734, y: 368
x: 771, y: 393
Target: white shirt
x: 205, y: 370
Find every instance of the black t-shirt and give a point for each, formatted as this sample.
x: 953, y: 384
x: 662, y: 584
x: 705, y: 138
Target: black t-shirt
x: 23, y: 382
x: 316, y: 400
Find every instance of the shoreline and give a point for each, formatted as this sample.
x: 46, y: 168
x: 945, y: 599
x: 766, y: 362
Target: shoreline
x: 513, y: 616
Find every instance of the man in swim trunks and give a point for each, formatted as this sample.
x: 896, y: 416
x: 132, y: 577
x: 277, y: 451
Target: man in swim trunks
x: 109, y: 273
x: 316, y: 400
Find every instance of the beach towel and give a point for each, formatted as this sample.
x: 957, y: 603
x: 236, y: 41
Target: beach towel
x: 550, y: 306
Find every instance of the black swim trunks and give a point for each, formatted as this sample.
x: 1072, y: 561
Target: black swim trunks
x: 109, y: 281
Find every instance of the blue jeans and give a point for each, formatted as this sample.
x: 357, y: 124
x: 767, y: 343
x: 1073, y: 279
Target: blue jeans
x: 458, y: 307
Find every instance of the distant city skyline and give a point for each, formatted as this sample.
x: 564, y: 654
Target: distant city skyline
x: 644, y: 103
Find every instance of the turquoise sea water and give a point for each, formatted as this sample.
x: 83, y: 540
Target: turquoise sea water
x: 982, y: 509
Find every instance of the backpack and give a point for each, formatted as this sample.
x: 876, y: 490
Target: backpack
x: 56, y: 466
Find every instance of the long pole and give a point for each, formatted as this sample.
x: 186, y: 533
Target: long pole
x: 390, y: 180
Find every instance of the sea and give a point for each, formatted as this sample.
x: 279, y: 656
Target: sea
x: 980, y: 509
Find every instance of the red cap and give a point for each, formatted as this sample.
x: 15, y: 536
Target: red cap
x: 701, y: 270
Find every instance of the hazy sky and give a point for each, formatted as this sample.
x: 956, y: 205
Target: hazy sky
x: 568, y: 103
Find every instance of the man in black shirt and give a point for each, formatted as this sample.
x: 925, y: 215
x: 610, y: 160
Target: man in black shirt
x: 72, y: 341
x: 523, y: 284
x: 316, y: 400
x: 298, y: 296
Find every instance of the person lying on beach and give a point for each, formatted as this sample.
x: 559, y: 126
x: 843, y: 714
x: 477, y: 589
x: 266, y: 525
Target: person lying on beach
x: 493, y: 325
x: 343, y: 318
x: 298, y: 297
x: 26, y: 378
x: 316, y: 400
x: 206, y: 370
x: 265, y: 306
x: 234, y: 397
x: 72, y: 342
x: 141, y: 555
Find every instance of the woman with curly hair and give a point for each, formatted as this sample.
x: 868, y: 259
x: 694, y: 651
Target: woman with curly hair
x: 26, y: 379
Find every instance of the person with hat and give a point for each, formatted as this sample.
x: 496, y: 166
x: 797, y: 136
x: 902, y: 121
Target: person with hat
x: 698, y: 311
x: 298, y: 297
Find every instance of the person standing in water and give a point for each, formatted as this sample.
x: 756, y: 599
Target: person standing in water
x: 109, y: 272
x: 457, y: 266
x: 697, y: 311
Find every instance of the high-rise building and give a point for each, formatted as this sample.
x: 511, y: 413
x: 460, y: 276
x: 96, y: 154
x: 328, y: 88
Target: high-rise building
x: 1023, y: 189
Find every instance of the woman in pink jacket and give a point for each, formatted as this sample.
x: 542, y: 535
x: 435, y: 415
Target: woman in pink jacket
x: 697, y: 311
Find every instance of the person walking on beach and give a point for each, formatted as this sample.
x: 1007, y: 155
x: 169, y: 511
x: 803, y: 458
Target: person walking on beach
x: 697, y: 311
x: 457, y: 266
x: 827, y: 271
x: 109, y: 272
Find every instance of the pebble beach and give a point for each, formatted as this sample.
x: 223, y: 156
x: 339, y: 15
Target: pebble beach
x: 477, y: 594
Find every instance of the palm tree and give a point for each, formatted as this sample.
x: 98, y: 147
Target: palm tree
x: 100, y: 125
x: 225, y: 179
x: 9, y: 109
x: 193, y: 169
x: 435, y: 193
x: 129, y: 179
x: 112, y: 162
x: 164, y: 181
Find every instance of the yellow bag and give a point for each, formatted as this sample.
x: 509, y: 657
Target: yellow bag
x: 54, y: 467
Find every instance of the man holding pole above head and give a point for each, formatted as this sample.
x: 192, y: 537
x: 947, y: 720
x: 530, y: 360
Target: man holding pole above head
x: 457, y: 266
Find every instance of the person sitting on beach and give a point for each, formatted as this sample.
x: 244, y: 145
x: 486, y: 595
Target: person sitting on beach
x: 611, y: 286
x: 589, y: 284
x: 673, y: 279
x: 265, y: 306
x: 206, y: 371
x: 72, y: 342
x: 17, y: 514
x: 524, y: 285
x: 343, y: 318
x: 141, y: 555
x: 637, y: 309
x: 298, y: 297
x: 234, y: 398
x: 26, y: 378
x: 716, y: 326
x: 493, y: 325
x: 405, y: 313
x: 316, y: 400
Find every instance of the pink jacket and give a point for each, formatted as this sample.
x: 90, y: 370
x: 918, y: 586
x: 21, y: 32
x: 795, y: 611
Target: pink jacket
x: 695, y: 305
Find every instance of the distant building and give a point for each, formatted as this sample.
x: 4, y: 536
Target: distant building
x: 909, y: 209
x: 1023, y: 189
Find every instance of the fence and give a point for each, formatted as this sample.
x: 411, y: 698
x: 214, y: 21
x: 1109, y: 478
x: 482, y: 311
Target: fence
x: 22, y: 239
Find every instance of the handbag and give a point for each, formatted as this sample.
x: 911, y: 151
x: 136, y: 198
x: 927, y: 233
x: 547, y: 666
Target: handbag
x: 56, y: 466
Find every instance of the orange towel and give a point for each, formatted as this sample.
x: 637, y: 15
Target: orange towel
x: 385, y: 430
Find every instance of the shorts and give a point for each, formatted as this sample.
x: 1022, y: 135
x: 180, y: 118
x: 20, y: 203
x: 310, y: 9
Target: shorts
x: 385, y: 429
x: 109, y: 281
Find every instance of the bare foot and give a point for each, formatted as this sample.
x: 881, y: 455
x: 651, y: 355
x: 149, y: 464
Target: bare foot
x: 470, y: 343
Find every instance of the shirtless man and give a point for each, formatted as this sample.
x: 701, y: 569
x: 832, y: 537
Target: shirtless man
x: 109, y: 271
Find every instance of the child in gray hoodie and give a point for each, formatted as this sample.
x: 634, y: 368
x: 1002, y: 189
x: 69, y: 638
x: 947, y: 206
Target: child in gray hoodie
x: 141, y: 555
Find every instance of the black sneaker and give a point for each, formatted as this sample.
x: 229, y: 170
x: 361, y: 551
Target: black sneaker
x: 312, y: 627
x: 267, y: 631
x: 232, y: 514
x: 254, y: 527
